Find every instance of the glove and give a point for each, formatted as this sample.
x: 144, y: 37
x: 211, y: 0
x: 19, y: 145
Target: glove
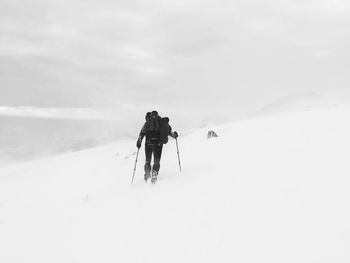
x: 138, y: 144
x: 175, y: 135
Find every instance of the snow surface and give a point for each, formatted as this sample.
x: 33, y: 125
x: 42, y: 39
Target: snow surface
x: 273, y: 189
x: 304, y: 101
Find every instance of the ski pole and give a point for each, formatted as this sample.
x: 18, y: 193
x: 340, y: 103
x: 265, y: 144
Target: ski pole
x: 133, y: 175
x: 178, y: 154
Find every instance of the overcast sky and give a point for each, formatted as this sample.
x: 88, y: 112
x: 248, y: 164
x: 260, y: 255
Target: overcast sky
x: 198, y: 56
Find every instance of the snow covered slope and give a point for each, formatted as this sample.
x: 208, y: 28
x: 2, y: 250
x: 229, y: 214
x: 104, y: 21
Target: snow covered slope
x: 304, y: 101
x: 274, y: 189
x: 31, y: 138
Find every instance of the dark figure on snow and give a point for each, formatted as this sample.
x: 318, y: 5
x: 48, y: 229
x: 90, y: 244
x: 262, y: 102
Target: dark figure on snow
x: 156, y: 129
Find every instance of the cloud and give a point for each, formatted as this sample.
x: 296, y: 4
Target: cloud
x: 105, y: 54
x: 56, y: 113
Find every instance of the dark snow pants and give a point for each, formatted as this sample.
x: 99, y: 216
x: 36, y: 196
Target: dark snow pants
x: 156, y: 151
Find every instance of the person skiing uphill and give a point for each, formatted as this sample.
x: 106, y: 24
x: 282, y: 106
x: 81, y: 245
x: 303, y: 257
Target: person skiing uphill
x: 156, y: 129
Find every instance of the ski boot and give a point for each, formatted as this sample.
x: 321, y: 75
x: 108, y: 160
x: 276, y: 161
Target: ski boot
x: 154, y: 177
x: 147, y: 176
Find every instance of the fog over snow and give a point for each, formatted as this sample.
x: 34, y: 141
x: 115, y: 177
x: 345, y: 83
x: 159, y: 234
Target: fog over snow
x: 271, y: 78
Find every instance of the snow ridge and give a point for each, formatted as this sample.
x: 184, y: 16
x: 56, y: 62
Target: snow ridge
x: 273, y: 189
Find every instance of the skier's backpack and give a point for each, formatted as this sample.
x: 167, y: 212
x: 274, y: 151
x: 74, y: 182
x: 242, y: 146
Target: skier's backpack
x: 153, y: 123
x: 165, y: 130
x: 157, y: 128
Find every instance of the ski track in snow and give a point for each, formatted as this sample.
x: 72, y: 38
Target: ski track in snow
x: 272, y: 189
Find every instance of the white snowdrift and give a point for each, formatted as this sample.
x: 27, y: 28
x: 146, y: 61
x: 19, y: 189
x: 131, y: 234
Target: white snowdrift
x: 274, y: 189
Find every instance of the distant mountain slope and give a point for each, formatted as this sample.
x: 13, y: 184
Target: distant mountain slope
x: 296, y: 102
x: 273, y: 189
x: 24, y: 138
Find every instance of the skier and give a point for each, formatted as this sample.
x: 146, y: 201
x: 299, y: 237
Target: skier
x: 156, y: 129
